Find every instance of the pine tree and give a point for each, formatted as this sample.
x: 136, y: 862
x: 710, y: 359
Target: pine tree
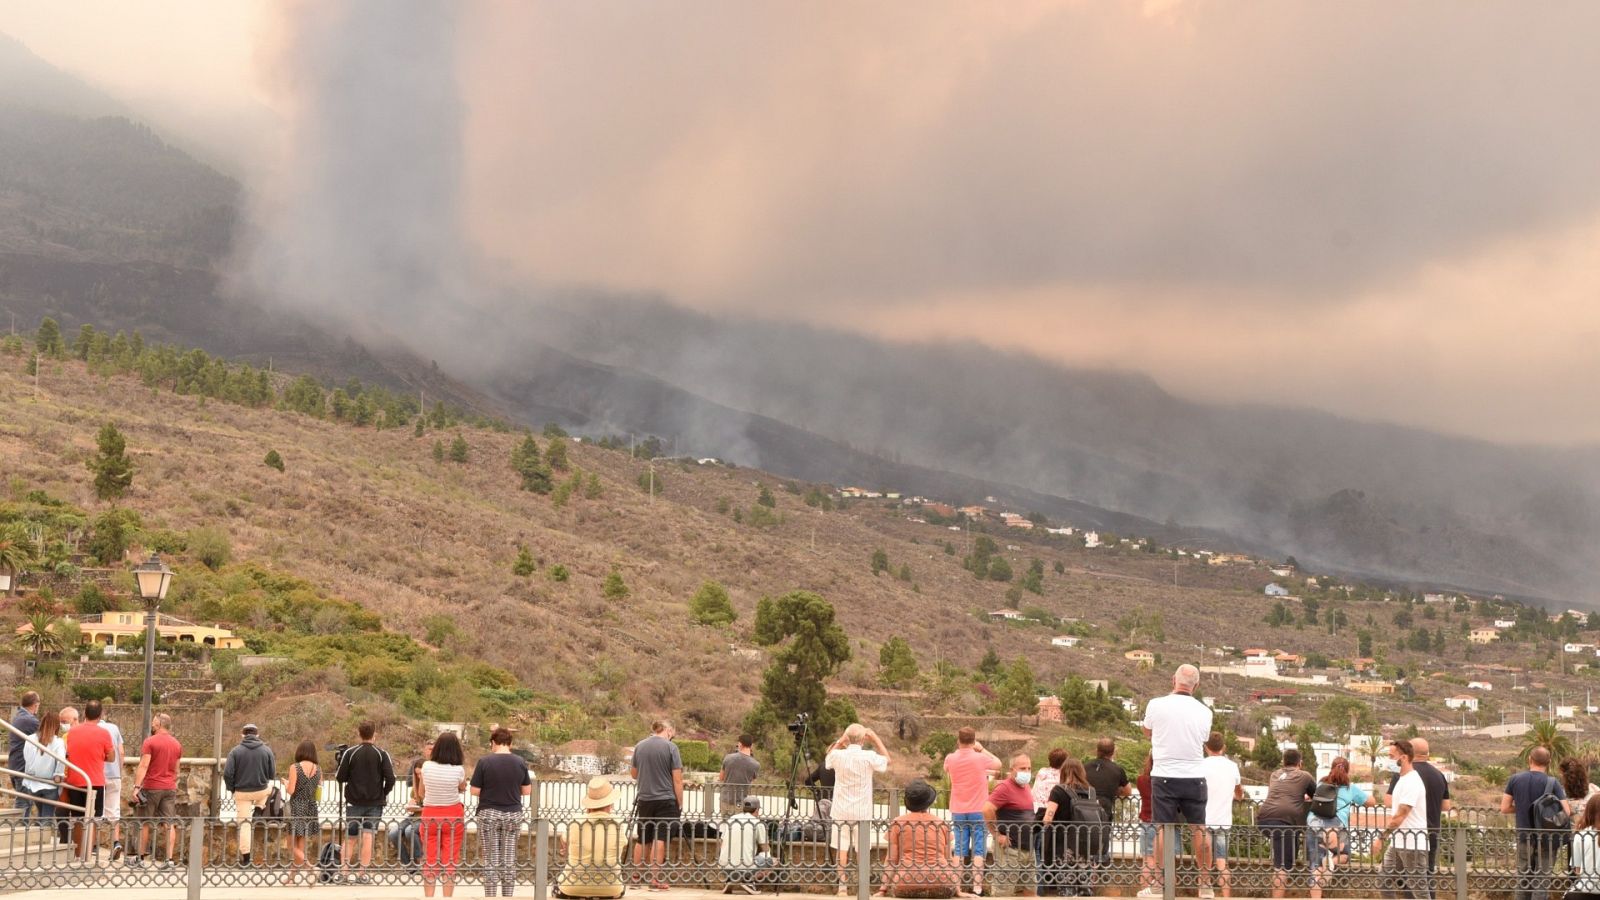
x: 84, y: 342
x: 710, y: 605
x: 614, y: 588
x: 990, y: 664
x: 555, y: 454
x: 880, y: 562
x: 814, y: 647
x: 905, y: 572
x: 592, y: 489
x: 273, y: 460
x: 420, y: 428
x: 48, y: 341
x: 1018, y: 692
x: 525, y: 565
x: 438, y: 451
x: 897, y: 665
x: 458, y: 449
x: 113, y: 471
x: 530, y: 467
x: 766, y: 499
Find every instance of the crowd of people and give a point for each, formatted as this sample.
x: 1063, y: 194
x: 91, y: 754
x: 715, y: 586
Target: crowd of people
x: 1049, y: 831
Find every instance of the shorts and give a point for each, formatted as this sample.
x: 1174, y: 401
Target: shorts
x: 76, y: 796
x: 1219, y: 842
x: 1147, y: 839
x: 113, y: 805
x: 1319, y: 831
x: 1174, y: 797
x: 971, y: 836
x: 159, y: 804
x: 843, y: 838
x: 359, y: 817
x: 658, y: 820
x: 1285, y: 838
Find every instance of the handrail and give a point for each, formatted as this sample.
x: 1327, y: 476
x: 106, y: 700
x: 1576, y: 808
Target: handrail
x: 62, y: 758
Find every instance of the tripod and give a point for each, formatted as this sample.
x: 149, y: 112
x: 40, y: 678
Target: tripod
x: 797, y: 758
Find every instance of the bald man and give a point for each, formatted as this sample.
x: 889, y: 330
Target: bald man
x: 1438, y: 792
x: 1178, y: 726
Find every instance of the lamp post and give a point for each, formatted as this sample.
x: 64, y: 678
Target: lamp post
x: 152, y: 578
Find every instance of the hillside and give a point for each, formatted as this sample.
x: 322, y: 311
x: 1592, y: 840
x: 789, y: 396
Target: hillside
x: 370, y: 517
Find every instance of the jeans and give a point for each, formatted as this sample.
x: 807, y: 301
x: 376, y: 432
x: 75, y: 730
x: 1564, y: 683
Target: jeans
x: 1534, y: 860
x: 406, y: 838
x: 31, y: 807
x: 1404, y: 872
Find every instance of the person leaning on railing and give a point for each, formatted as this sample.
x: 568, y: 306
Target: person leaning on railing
x: 919, y: 862
x: 1404, y: 841
x: 593, y: 846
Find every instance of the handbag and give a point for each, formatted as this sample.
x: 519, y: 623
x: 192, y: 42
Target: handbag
x: 274, y: 808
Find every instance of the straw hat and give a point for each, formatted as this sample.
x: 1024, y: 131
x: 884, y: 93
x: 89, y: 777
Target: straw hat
x: 600, y: 793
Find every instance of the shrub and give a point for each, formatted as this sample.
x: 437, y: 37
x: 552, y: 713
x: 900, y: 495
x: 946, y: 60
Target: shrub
x: 710, y: 605
x: 698, y: 756
x: 84, y: 691
x: 113, y: 530
x: 165, y: 541
x: 438, y: 629
x: 273, y: 460
x: 524, y: 566
x: 211, y: 546
x: 92, y: 601
x: 559, y: 572
x: 614, y: 588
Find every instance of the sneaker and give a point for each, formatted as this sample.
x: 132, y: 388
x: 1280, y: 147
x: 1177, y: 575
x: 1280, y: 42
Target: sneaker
x: 168, y: 864
x: 727, y: 888
x: 361, y: 879
x: 1148, y: 893
x: 134, y: 862
x: 1206, y: 893
x: 750, y: 888
x: 116, y: 850
x: 244, y: 859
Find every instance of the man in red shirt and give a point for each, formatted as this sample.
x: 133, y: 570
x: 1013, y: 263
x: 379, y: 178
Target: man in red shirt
x: 157, y: 783
x: 969, y: 767
x: 89, y: 748
x: 1010, y: 811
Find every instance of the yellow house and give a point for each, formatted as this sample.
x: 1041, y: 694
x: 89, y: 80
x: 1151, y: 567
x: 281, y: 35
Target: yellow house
x: 1483, y: 635
x: 114, y: 628
x: 1371, y: 687
x: 1143, y: 658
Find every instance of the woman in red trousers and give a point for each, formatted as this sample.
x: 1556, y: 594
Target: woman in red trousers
x: 444, y: 778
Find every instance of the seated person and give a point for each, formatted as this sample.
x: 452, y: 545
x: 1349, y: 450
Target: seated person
x: 593, y: 847
x: 919, y: 863
x: 743, y: 857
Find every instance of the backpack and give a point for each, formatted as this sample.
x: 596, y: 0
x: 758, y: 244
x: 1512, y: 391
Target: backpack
x: 328, y: 862
x: 1325, y: 801
x: 1548, y: 812
x: 1090, y: 831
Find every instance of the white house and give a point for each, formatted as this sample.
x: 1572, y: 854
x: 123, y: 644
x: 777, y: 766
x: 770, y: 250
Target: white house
x: 1282, y: 571
x: 1504, y: 623
x: 1067, y: 530
x: 1578, y: 648
x: 1275, y: 590
x: 1064, y: 640
x: 1480, y: 686
x: 1326, y: 752
x: 1281, y: 722
x: 1566, y: 712
x: 1091, y: 540
x: 1260, y: 667
x: 1010, y: 615
x: 1463, y: 701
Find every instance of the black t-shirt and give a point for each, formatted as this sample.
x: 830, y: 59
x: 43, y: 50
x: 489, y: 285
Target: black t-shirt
x: 499, y: 778
x: 1108, y: 780
x: 1438, y: 790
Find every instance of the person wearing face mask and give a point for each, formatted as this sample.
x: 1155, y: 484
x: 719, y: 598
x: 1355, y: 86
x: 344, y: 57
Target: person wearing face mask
x: 1010, y: 812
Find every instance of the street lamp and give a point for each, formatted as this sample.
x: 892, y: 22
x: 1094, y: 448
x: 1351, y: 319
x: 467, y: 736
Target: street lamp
x: 152, y: 577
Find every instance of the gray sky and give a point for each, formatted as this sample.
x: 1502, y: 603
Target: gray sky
x: 1388, y: 210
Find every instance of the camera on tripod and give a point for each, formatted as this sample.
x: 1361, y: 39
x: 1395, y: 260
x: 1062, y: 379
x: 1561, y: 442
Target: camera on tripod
x: 798, y: 726
x: 339, y: 750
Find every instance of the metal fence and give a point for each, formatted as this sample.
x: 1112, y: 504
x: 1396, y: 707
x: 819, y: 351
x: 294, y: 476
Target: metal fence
x: 594, y: 854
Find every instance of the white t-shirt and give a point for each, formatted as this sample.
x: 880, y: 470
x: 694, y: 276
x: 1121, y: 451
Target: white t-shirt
x: 1222, y: 776
x: 1410, y: 791
x: 742, y: 836
x: 852, y: 787
x: 441, y: 784
x: 1179, y: 727
x: 113, y: 767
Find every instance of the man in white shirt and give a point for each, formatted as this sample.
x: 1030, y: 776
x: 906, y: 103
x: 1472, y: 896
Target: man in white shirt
x: 113, y: 802
x: 1405, y: 859
x: 853, y: 766
x: 1223, y: 786
x: 1178, y: 726
x: 743, y: 855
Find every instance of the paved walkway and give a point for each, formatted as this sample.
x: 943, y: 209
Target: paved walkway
x: 328, y: 892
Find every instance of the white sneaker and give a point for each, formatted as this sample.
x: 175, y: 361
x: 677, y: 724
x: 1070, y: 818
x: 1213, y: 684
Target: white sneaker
x: 1206, y: 893
x: 1148, y: 893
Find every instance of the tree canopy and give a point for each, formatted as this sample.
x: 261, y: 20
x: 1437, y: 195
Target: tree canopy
x: 812, y: 648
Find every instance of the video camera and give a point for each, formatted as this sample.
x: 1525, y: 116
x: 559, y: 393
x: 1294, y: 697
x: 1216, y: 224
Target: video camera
x: 799, y: 725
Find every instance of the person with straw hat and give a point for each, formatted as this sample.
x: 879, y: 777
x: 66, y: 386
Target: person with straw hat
x: 593, y: 846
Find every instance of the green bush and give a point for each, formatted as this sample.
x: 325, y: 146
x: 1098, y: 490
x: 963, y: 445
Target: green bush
x: 92, y: 601
x: 84, y: 691
x: 614, y: 588
x: 211, y: 546
x: 273, y: 460
x: 710, y: 605
x: 559, y: 572
x: 698, y: 756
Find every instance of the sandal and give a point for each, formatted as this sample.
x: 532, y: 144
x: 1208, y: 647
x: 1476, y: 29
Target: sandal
x: 660, y: 886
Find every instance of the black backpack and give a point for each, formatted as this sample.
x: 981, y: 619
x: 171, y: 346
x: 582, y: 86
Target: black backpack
x: 1548, y: 812
x: 1090, y: 832
x: 1325, y: 801
x: 328, y: 862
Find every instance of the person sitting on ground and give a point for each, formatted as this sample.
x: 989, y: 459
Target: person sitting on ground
x: 593, y: 847
x: 919, y: 862
x: 743, y: 856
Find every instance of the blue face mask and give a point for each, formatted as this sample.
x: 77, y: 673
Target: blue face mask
x: 1024, y: 778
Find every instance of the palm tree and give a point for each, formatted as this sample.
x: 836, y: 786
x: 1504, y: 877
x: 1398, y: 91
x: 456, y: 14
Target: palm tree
x: 41, y: 637
x: 1546, y: 735
x: 14, y: 551
x: 1374, y: 744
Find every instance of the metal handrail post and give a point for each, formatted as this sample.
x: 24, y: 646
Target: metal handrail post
x: 1458, y: 858
x: 1169, y: 860
x: 864, y: 860
x: 197, y: 855
x: 541, y: 859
